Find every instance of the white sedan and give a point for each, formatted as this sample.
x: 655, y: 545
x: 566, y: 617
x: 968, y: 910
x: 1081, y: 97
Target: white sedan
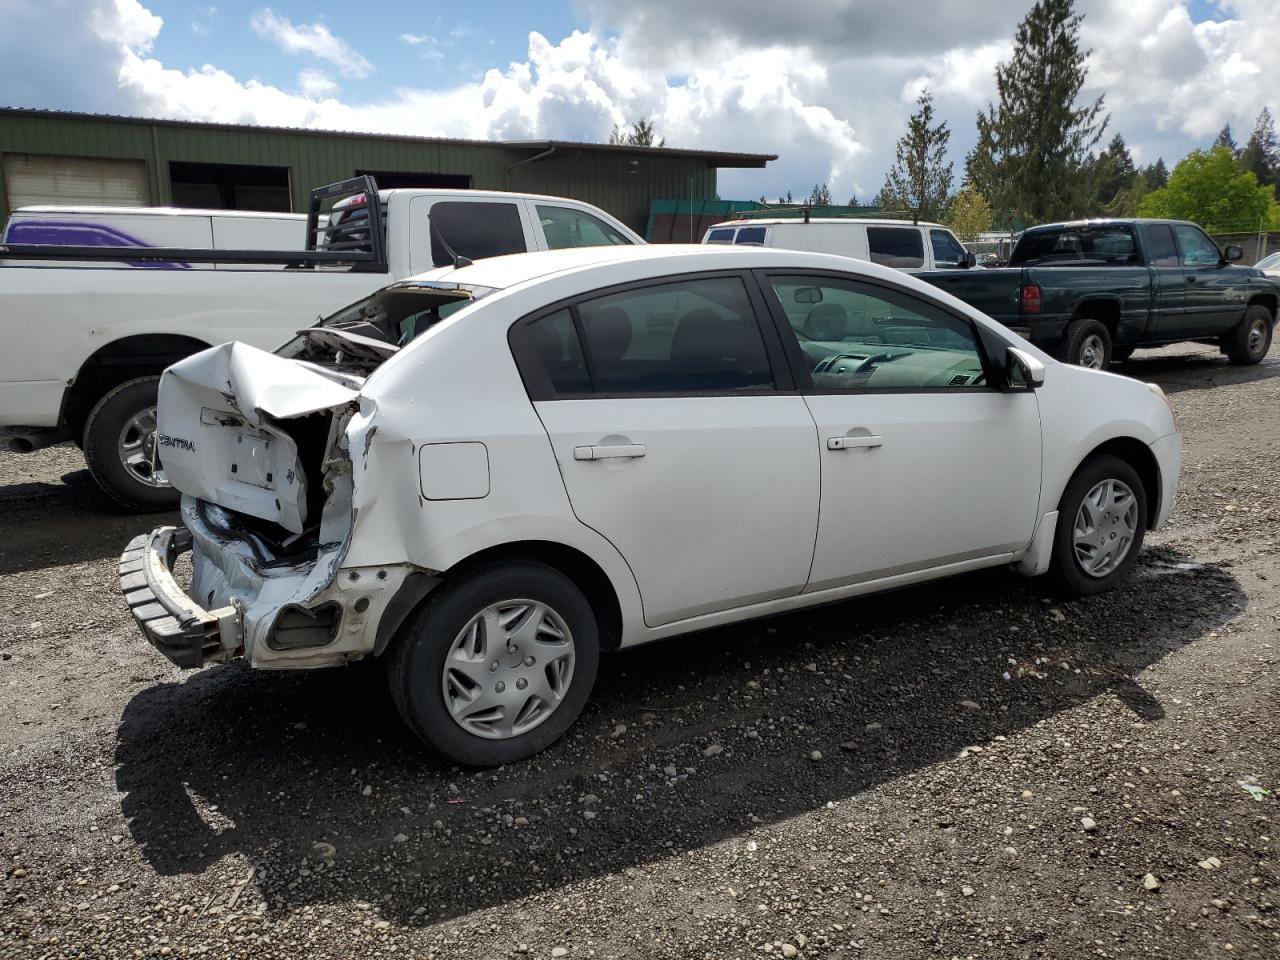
x: 487, y: 475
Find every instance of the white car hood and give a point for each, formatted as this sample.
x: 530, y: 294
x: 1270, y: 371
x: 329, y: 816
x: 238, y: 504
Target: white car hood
x: 219, y: 433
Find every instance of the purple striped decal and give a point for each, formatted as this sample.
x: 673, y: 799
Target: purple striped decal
x: 74, y: 233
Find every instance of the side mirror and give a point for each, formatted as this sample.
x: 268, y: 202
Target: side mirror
x: 1022, y: 370
x: 1232, y: 254
x: 970, y: 259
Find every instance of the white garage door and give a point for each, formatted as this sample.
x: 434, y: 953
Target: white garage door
x: 30, y: 179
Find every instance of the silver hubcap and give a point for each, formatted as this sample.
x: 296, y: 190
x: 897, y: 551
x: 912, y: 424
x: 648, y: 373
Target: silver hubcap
x: 137, y: 449
x: 508, y: 669
x: 1106, y: 524
x: 1257, y: 336
x: 1092, y: 352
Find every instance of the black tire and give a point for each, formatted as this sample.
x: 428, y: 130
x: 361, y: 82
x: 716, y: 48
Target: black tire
x: 1087, y: 344
x: 102, y: 435
x: 1121, y: 354
x: 1067, y: 569
x: 1249, y: 342
x: 416, y: 663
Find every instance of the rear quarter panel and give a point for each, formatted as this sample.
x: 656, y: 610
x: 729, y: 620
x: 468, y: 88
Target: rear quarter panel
x: 995, y: 292
x: 1068, y: 292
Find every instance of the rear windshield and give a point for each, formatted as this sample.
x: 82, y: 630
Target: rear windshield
x: 1109, y: 244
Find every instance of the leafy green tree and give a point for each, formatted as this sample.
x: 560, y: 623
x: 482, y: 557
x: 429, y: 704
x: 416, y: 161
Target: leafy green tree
x: 970, y: 214
x: 1155, y: 176
x: 1208, y: 188
x: 1261, y: 155
x: 820, y: 196
x: 920, y: 180
x: 1033, y: 147
x: 641, y: 134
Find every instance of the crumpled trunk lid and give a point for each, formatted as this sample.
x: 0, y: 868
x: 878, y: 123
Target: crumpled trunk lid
x: 249, y: 431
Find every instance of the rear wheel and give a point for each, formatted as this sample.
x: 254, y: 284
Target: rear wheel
x: 1249, y: 342
x: 1102, y: 519
x: 120, y: 447
x: 1088, y: 344
x: 496, y: 666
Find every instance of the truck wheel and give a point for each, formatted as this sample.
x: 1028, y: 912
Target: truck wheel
x: 1121, y: 354
x: 1102, y: 519
x: 119, y: 445
x: 1088, y: 344
x: 497, y: 665
x: 1249, y: 342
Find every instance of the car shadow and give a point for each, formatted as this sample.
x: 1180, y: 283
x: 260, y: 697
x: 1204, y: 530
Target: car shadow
x: 312, y: 777
x: 44, y: 524
x: 1194, y: 370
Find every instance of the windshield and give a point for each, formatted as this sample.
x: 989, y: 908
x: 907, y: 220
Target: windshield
x: 1109, y: 244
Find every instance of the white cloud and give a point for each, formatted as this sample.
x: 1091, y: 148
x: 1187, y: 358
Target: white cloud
x: 316, y: 83
x: 828, y: 84
x: 313, y: 38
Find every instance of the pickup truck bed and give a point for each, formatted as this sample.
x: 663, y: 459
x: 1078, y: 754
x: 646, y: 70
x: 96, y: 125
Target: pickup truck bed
x: 1094, y: 291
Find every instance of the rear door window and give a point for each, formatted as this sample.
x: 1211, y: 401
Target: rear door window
x: 566, y: 227
x: 947, y: 251
x: 1160, y: 245
x: 474, y: 230
x: 899, y: 247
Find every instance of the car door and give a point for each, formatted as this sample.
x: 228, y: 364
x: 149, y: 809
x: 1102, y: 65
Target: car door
x: 1168, y: 282
x: 1215, y: 300
x: 925, y: 463
x: 680, y: 439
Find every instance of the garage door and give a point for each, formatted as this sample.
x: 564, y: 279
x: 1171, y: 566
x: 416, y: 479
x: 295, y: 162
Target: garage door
x: 31, y: 179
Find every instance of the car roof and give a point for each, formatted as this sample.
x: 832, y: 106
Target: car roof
x: 780, y: 221
x: 501, y: 273
x: 1100, y: 221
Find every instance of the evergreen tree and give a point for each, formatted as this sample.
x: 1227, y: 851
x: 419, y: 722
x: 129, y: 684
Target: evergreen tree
x: 1038, y: 138
x: 1261, y: 155
x: 1225, y: 139
x: 919, y: 181
x: 1156, y: 175
x: 641, y: 134
x: 820, y: 196
x: 1114, y: 174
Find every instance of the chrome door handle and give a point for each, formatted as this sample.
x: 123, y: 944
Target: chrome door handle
x: 848, y: 443
x: 620, y: 451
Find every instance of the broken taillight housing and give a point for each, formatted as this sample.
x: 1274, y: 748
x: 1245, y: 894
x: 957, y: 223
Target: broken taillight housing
x: 1031, y: 298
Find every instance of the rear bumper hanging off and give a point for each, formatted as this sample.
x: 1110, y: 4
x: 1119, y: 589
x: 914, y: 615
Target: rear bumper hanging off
x: 172, y: 622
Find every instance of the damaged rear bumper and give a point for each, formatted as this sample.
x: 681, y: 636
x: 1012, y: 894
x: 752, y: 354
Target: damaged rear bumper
x: 172, y: 622
x: 277, y: 616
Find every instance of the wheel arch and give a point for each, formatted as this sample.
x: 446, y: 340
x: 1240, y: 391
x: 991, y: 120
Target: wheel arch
x: 1139, y: 456
x: 1263, y: 298
x: 1105, y: 310
x: 118, y: 362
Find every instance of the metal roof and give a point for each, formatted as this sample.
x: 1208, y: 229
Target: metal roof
x: 719, y: 158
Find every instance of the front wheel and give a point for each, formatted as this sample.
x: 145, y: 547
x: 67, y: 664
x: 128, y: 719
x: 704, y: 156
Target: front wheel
x: 119, y: 446
x: 1088, y: 344
x: 1249, y: 342
x: 497, y: 665
x: 1102, y: 519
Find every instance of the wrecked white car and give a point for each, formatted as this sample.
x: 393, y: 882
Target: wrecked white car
x: 487, y: 475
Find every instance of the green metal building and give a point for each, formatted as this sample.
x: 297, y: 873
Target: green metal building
x: 76, y: 158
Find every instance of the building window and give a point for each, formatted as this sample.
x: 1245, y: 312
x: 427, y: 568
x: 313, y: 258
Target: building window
x: 230, y: 186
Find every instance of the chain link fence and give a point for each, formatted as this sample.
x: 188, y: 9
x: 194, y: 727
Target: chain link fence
x: 1255, y: 244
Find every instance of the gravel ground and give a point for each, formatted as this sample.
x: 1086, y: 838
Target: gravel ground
x: 968, y: 769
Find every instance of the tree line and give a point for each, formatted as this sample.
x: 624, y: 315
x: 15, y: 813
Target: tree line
x: 1036, y: 158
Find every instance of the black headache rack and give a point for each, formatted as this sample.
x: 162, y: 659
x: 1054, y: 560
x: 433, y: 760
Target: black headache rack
x: 363, y: 252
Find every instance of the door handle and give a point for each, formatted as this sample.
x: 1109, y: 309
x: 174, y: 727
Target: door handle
x: 848, y: 443
x: 618, y: 451
x: 1191, y: 279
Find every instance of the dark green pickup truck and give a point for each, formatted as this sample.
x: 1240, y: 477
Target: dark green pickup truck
x: 1094, y: 291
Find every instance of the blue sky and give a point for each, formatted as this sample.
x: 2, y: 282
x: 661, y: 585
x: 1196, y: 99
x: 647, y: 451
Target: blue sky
x: 826, y: 84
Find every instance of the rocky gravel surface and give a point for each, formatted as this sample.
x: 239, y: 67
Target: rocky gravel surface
x: 967, y: 769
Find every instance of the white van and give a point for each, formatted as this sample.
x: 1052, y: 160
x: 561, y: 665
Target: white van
x: 912, y: 247
x: 158, y: 227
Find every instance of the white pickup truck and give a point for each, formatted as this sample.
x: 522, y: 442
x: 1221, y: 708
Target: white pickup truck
x: 89, y: 332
